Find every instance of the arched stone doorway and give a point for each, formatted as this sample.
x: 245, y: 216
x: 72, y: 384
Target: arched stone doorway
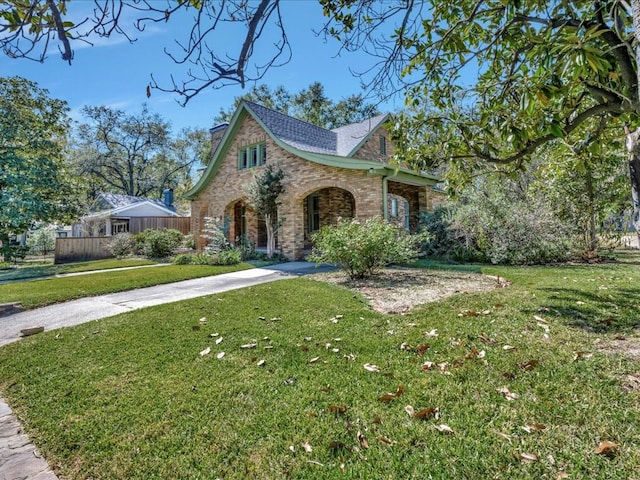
x: 242, y: 224
x: 325, y: 207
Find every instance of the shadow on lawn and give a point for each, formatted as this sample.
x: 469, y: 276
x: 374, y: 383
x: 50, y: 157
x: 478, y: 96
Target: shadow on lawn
x: 606, y: 311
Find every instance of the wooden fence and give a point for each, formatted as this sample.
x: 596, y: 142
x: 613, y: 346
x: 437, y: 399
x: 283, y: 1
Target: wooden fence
x: 78, y: 249
x: 138, y: 224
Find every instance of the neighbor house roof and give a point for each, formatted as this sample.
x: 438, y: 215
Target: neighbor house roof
x: 118, y: 204
x: 313, y: 143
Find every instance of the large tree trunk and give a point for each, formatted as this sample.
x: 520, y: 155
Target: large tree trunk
x: 271, y: 235
x: 633, y: 143
x: 633, y: 147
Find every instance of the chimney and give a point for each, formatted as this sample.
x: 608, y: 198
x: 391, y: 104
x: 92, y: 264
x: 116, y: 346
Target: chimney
x: 168, y: 199
x: 217, y: 133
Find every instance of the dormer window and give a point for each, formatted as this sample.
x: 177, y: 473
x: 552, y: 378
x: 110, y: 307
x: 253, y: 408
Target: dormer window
x: 383, y: 145
x: 252, y: 156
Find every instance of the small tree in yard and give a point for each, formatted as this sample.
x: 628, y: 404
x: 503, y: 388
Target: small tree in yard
x: 361, y: 249
x: 263, y: 196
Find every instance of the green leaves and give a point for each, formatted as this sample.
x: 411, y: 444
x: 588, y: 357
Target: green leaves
x: 35, y: 183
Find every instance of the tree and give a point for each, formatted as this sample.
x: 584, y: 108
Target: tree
x: 35, y: 182
x: 310, y: 104
x: 546, y: 70
x: 264, y: 192
x: 29, y: 28
x: 586, y: 186
x: 135, y: 154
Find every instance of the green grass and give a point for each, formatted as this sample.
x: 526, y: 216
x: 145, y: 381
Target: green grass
x: 39, y: 270
x: 37, y: 293
x: 131, y: 396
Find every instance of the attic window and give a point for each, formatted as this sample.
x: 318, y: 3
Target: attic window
x: 383, y: 145
x: 252, y: 156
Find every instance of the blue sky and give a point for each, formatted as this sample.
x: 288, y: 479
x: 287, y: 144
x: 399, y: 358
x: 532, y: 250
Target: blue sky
x: 116, y: 73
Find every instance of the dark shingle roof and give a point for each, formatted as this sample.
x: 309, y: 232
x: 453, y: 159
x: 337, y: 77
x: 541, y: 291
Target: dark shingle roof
x: 311, y: 138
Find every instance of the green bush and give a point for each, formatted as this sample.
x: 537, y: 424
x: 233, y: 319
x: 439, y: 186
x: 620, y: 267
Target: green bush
x: 498, y: 227
x: 363, y: 248
x: 153, y: 243
x: 121, y: 245
x: 224, y: 257
x: 227, y: 257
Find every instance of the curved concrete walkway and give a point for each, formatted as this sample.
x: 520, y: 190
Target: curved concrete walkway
x: 19, y: 459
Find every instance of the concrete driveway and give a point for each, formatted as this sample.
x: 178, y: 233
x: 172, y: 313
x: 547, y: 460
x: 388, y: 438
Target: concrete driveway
x: 87, y: 309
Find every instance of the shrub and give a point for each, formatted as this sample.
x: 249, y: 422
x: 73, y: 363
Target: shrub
x: 226, y: 257
x: 505, y: 230
x: 215, y: 237
x: 121, y: 245
x: 363, y: 248
x: 153, y: 243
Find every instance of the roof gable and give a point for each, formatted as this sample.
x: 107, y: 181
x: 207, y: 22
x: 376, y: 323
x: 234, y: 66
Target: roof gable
x: 116, y: 203
x: 333, y: 148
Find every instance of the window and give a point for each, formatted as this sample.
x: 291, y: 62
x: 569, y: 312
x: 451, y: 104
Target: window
x: 394, y: 207
x: 252, y: 156
x: 407, y: 219
x: 313, y: 213
x: 383, y: 145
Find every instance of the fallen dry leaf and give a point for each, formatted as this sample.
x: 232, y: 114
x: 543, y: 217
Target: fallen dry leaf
x: 581, y: 355
x: 307, y: 447
x: 339, y: 409
x: 444, y: 428
x: 220, y: 355
x: 487, y: 339
x: 606, y: 448
x: 427, y: 413
x: 534, y: 427
x: 410, y: 410
x: 528, y: 457
x: 432, y: 333
x: 387, y: 397
x: 249, y: 345
x: 562, y: 476
x: 313, y: 360
x: 362, y: 440
x: 386, y: 441
x: 507, y: 348
x: 528, y: 365
x: 218, y: 340
x: 371, y: 368
x: 261, y: 363
x: 507, y: 393
x: 206, y: 351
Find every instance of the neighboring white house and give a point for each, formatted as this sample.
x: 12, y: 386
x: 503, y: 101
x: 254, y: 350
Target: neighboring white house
x: 113, y: 213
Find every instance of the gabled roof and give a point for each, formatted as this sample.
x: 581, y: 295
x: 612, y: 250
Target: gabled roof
x: 116, y: 203
x: 316, y: 144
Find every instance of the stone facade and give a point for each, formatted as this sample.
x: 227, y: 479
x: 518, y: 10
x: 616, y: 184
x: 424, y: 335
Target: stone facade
x: 339, y: 192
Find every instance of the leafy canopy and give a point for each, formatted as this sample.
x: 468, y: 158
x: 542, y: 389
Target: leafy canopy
x: 35, y: 182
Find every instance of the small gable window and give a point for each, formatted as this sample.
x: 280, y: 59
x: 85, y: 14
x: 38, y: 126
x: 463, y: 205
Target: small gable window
x: 383, y: 145
x: 252, y: 156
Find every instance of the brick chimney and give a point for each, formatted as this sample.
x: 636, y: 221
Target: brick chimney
x: 217, y: 133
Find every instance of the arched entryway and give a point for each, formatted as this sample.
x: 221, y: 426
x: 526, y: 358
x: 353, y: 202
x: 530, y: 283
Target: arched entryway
x: 325, y: 207
x: 243, y: 225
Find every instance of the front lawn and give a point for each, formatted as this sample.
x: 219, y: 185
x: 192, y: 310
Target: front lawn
x: 302, y: 379
x: 38, y: 293
x: 26, y: 271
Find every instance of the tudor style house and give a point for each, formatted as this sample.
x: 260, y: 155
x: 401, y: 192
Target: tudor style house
x: 328, y: 174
